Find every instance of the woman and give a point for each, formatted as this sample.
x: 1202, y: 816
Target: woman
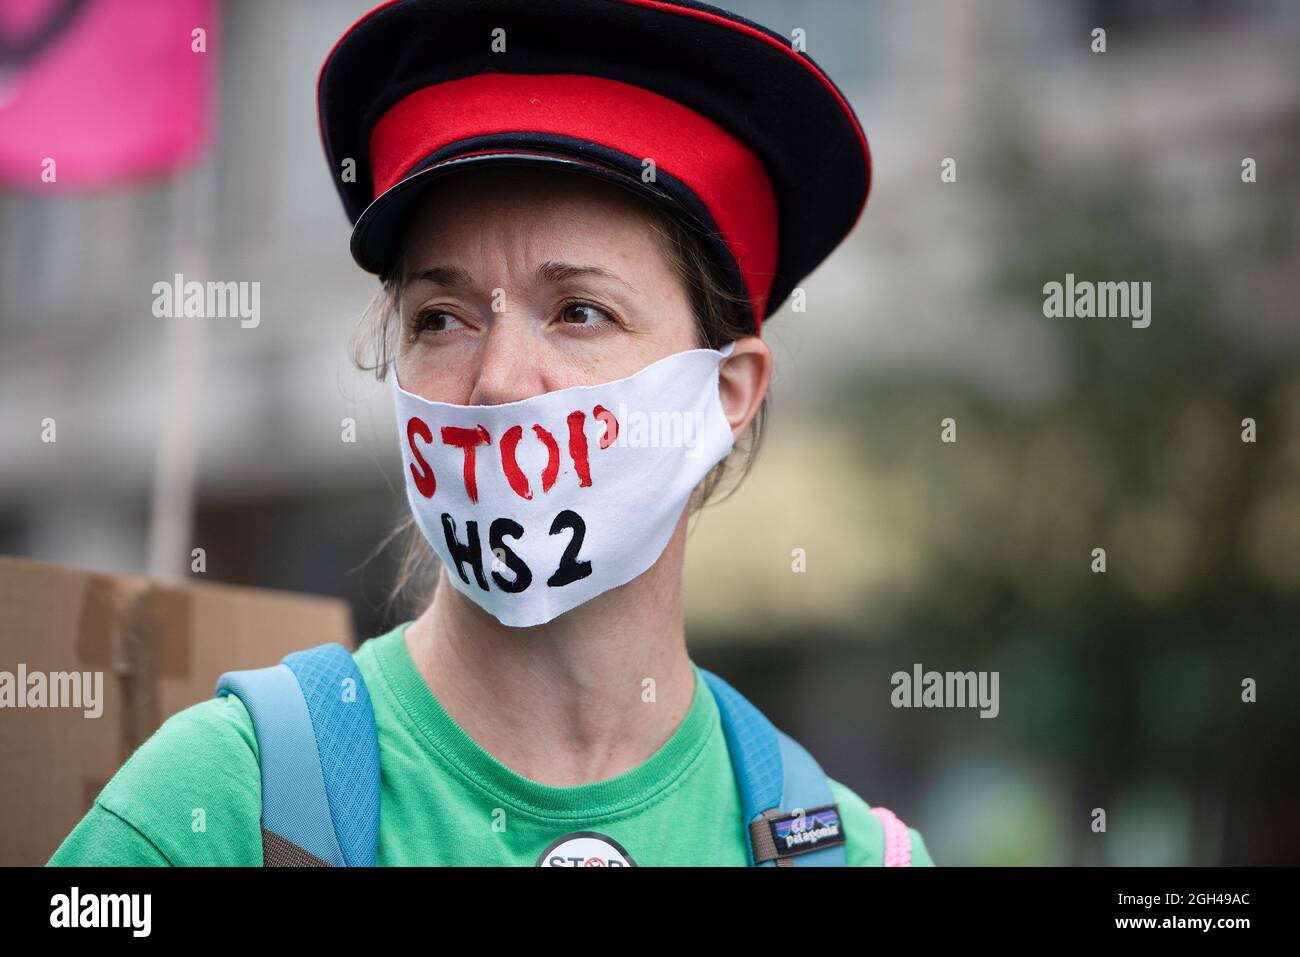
x: 575, y: 267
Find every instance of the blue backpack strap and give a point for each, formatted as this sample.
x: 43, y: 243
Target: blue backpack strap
x: 791, y: 818
x: 319, y: 751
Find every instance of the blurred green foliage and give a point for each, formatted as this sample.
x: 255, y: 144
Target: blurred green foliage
x: 1119, y: 691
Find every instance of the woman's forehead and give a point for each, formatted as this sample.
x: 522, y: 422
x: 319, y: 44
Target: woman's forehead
x: 541, y: 214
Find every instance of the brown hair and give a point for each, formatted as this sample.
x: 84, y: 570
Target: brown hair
x: 720, y: 317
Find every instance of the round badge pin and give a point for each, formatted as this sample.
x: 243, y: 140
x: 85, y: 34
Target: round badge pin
x: 585, y: 849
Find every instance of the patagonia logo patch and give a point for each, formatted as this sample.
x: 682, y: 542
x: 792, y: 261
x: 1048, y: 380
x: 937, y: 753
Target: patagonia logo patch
x: 811, y: 831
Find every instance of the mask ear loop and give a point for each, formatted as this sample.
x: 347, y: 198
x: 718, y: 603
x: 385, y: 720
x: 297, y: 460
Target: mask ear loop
x: 728, y: 349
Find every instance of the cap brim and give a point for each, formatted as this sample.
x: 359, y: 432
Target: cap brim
x: 377, y: 235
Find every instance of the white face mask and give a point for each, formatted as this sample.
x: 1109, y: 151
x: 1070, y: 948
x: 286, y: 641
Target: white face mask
x: 539, y: 505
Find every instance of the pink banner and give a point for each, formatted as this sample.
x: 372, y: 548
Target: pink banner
x: 97, y: 92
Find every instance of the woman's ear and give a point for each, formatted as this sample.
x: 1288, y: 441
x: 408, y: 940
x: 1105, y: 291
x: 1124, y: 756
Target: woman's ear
x: 743, y: 379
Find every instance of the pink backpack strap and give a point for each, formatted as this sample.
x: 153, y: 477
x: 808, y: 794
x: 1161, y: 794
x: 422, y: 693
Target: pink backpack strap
x: 898, y: 842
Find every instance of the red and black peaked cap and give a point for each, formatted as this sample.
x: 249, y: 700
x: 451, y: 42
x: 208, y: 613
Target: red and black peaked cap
x: 751, y: 142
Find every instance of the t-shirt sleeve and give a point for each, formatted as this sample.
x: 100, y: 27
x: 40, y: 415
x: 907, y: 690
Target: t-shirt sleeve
x: 102, y: 839
x: 864, y: 835
x: 190, y: 795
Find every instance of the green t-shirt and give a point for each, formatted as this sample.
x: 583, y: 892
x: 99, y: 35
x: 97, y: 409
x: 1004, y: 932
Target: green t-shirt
x: 191, y: 794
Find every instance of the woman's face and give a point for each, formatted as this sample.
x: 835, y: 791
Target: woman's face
x: 521, y: 281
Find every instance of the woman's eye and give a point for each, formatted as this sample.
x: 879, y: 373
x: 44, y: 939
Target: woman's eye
x: 435, y: 320
x: 584, y: 314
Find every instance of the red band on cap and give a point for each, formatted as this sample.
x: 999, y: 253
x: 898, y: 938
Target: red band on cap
x: 725, y: 175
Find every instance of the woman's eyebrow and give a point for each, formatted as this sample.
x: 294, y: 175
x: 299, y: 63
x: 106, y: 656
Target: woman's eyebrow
x: 450, y: 276
x: 550, y: 271
x: 556, y: 272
